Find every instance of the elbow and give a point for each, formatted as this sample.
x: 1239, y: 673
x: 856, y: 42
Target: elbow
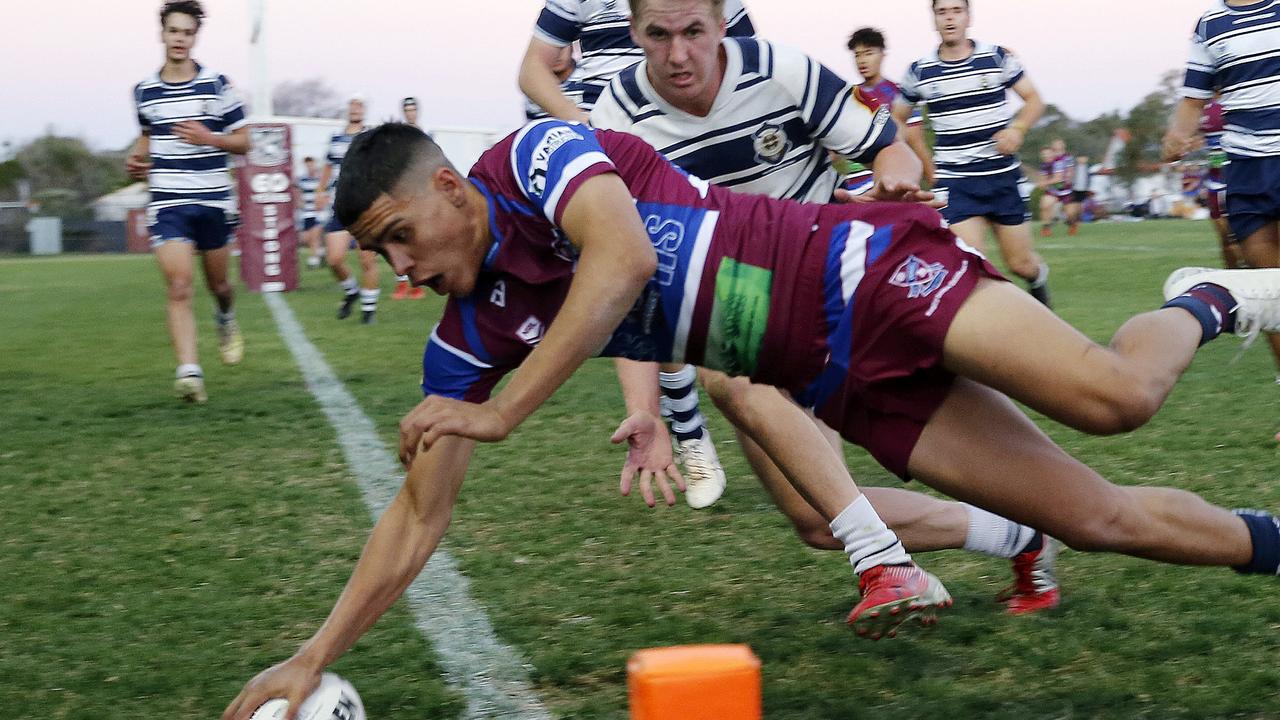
x: 644, y: 267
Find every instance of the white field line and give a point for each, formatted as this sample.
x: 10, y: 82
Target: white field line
x: 491, y: 674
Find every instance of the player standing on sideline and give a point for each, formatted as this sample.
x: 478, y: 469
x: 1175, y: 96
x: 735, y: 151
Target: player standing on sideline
x: 963, y: 84
x: 694, y: 123
x: 306, y: 188
x: 1231, y: 54
x: 336, y: 238
x: 191, y: 119
x: 602, y: 29
x: 905, y: 336
x: 404, y: 291
x: 877, y: 91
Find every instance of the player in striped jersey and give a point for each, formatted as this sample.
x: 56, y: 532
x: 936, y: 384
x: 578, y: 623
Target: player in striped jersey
x: 963, y: 84
x: 306, y: 188
x: 715, y: 133
x: 1233, y: 51
x: 191, y: 119
x: 337, y: 240
x: 562, y: 64
x: 602, y: 30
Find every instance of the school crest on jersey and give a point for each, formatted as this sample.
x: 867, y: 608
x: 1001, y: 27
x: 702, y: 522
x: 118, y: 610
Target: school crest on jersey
x: 530, y: 331
x: 771, y: 144
x: 920, y: 278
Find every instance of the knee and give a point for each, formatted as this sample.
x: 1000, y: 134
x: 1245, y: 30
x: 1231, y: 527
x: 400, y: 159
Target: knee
x: 334, y: 260
x: 731, y: 396
x: 1124, y: 406
x: 1024, y: 265
x: 222, y: 288
x: 178, y: 288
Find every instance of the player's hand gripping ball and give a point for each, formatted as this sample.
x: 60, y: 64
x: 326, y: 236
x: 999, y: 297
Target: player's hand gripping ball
x: 334, y: 699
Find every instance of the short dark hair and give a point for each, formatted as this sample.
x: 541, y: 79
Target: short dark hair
x: 934, y: 4
x: 186, y: 7
x: 866, y: 37
x: 375, y: 163
x: 636, y: 5
x: 308, y: 158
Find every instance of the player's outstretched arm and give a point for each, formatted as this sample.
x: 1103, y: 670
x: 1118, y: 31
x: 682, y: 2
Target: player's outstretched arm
x: 615, y: 263
x: 404, y: 538
x: 1183, y: 135
x: 539, y: 82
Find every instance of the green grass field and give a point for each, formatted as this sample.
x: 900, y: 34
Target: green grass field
x: 157, y: 555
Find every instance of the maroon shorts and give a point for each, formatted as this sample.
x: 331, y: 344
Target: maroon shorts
x: 902, y: 310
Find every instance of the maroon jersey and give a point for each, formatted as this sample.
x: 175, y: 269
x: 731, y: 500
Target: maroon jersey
x: 745, y: 283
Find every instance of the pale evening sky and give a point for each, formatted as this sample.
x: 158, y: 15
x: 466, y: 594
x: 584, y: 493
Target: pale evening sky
x: 74, y: 69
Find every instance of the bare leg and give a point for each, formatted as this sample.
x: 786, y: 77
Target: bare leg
x: 1039, y: 484
x: 1004, y: 339
x: 1018, y: 252
x: 1232, y: 258
x: 176, y: 264
x: 215, y: 277
x: 974, y: 232
x: 336, y: 244
x: 368, y: 270
x: 1262, y: 250
x: 922, y: 523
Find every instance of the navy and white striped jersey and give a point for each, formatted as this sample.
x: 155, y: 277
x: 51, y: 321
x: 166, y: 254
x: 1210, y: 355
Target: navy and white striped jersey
x: 308, y: 186
x: 1236, y: 50
x: 968, y: 105
x: 776, y: 116
x: 603, y: 31
x: 181, y: 173
x: 339, y: 143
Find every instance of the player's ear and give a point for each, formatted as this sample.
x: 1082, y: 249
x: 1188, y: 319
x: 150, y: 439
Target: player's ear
x: 447, y: 182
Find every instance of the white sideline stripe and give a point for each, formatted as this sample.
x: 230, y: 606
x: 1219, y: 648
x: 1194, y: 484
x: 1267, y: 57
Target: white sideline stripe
x: 490, y: 674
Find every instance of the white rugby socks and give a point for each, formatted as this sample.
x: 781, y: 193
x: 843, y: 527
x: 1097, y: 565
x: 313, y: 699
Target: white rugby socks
x: 867, y: 540
x: 993, y: 535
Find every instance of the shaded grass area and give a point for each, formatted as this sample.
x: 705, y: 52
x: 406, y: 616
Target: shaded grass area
x: 178, y: 557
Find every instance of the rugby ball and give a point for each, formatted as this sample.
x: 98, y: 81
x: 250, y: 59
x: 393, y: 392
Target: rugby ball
x: 334, y: 699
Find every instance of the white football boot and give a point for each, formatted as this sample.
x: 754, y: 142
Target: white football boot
x: 190, y: 388
x: 703, y: 476
x: 1256, y: 291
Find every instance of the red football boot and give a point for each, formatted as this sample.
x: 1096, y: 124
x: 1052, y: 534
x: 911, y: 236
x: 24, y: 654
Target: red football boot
x: 893, y: 594
x: 1035, y: 587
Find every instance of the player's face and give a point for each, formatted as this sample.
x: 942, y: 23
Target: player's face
x: 868, y: 60
x: 681, y: 41
x: 311, y: 167
x: 355, y: 112
x: 1046, y: 155
x: 411, y: 114
x: 1059, y: 148
x: 425, y: 229
x: 951, y: 17
x: 179, y: 36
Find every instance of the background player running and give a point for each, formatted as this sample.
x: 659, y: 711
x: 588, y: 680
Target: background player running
x: 336, y: 238
x: 191, y: 119
x: 964, y: 85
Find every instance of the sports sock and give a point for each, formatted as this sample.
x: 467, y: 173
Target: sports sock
x: 1042, y: 276
x: 1264, y: 530
x: 680, y: 403
x: 189, y: 370
x: 867, y: 540
x: 222, y: 318
x: 369, y: 299
x: 349, y: 286
x: 1212, y: 305
x: 993, y: 535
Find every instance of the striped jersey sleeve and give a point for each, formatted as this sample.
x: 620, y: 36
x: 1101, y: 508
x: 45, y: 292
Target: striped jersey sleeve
x: 560, y: 22
x: 551, y: 158
x: 1010, y: 67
